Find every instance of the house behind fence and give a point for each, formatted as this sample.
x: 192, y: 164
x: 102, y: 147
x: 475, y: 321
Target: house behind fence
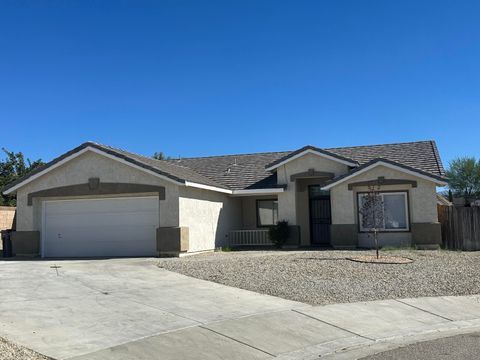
x: 460, y: 227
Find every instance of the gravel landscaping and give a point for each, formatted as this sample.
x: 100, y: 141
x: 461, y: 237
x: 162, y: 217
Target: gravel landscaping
x: 324, y: 277
x: 11, y: 351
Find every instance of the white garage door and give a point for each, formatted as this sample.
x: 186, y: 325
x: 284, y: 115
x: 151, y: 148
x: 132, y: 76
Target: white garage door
x: 100, y: 227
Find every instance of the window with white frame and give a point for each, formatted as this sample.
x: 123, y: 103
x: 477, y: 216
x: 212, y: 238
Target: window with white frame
x: 395, y: 211
x: 267, y: 212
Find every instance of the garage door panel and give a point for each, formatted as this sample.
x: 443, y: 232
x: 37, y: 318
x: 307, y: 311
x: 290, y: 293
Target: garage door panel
x: 113, y: 219
x: 98, y: 206
x: 106, y: 227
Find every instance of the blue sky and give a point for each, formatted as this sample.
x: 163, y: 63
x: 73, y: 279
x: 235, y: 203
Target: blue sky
x: 218, y: 77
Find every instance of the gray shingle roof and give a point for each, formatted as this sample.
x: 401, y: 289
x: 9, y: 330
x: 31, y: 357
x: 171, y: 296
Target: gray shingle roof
x: 247, y: 171
x: 172, y: 171
x: 421, y: 155
x: 384, y: 160
x: 169, y: 169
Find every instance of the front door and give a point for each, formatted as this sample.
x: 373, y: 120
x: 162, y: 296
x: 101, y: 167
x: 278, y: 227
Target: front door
x: 320, y: 216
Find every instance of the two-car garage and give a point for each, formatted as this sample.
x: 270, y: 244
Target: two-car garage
x: 122, y: 226
x: 97, y: 201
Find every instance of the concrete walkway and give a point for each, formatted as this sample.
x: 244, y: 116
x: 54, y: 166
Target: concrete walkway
x: 130, y: 309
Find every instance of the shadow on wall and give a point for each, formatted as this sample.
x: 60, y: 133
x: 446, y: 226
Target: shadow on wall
x: 229, y: 218
x: 213, y: 217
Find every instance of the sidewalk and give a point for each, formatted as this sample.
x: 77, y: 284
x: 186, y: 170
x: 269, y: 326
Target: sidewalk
x: 340, y: 331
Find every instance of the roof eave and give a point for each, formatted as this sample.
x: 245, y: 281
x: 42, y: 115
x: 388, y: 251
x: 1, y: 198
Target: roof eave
x: 438, y: 180
x: 9, y: 189
x: 258, y: 192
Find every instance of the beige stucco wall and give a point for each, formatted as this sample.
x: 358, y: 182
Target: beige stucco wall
x: 422, y: 199
x: 209, y: 216
x: 422, y: 204
x: 287, y: 209
x: 394, y: 239
x: 78, y: 171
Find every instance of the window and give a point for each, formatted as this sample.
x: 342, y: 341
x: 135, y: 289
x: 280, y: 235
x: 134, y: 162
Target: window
x: 267, y: 212
x: 315, y: 191
x: 394, y: 206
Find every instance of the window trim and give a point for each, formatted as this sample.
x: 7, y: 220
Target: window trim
x: 258, y: 214
x: 407, y: 209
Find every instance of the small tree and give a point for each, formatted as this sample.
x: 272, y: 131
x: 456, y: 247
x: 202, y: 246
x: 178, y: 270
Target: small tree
x: 11, y: 169
x: 279, y: 233
x: 464, y: 178
x: 371, y: 210
x: 161, y: 156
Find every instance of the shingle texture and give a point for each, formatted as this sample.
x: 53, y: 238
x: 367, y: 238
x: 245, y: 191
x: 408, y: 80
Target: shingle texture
x: 248, y: 171
x: 236, y: 171
x: 387, y: 161
x: 421, y: 155
x: 168, y: 169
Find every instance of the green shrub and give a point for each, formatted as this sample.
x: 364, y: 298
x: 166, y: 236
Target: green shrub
x: 279, y: 233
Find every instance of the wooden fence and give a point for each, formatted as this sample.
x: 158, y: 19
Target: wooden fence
x: 460, y: 227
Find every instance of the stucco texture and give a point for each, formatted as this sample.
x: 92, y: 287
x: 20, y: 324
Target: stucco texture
x: 209, y: 216
x: 287, y: 200
x: 78, y: 171
x: 421, y: 199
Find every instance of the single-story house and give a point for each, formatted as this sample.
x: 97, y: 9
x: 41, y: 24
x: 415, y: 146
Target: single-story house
x: 96, y: 200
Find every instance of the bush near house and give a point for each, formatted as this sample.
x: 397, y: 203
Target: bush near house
x: 279, y: 233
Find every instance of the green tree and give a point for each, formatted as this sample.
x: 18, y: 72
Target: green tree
x: 161, y: 156
x: 464, y: 177
x: 12, y: 168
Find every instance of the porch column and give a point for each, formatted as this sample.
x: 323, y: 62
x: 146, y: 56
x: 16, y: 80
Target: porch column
x: 344, y: 229
x: 286, y: 205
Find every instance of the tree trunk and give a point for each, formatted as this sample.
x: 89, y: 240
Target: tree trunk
x: 376, y: 242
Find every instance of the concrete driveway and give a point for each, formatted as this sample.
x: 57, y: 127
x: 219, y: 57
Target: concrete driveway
x: 131, y: 309
x: 97, y: 304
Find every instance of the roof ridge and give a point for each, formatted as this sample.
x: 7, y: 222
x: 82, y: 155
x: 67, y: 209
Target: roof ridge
x: 141, y: 156
x: 286, y: 151
x: 229, y: 155
x: 363, y: 146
